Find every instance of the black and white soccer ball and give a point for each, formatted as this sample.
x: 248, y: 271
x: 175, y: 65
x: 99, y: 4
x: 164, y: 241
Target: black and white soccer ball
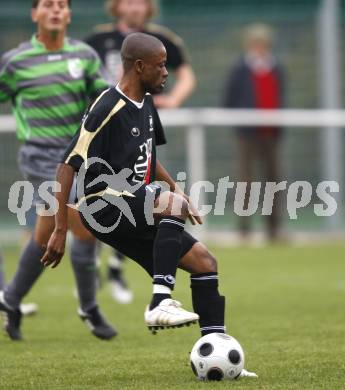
x: 217, y: 356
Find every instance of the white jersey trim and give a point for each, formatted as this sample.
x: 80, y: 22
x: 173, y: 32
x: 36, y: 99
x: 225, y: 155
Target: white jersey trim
x: 137, y: 104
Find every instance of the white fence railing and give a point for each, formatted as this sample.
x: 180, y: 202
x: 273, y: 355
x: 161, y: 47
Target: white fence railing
x: 225, y: 117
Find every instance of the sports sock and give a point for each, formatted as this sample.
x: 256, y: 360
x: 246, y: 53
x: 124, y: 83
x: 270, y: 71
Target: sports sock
x: 115, y: 265
x: 118, y: 256
x: 160, y: 293
x: 83, y: 258
x: 2, y: 273
x: 208, y: 303
x: 28, y: 271
x: 166, y: 251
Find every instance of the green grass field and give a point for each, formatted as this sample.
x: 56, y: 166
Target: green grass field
x: 285, y: 305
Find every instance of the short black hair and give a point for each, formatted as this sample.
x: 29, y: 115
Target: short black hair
x: 35, y: 3
x: 138, y: 46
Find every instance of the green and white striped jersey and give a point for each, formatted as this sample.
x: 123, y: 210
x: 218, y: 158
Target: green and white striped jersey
x: 50, y: 90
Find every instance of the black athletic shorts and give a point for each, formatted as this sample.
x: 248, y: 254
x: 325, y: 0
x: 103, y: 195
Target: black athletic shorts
x: 136, y: 242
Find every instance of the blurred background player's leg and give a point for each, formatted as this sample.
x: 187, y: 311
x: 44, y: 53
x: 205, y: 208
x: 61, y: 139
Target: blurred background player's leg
x: 26, y: 309
x: 2, y: 272
x: 28, y: 271
x: 246, y: 156
x: 83, y: 259
x: 270, y: 156
x: 118, y: 284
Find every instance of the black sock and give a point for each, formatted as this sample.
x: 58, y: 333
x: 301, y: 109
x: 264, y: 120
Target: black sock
x: 115, y: 264
x: 157, y: 299
x: 114, y: 273
x: 118, y: 255
x: 167, y: 250
x: 208, y: 303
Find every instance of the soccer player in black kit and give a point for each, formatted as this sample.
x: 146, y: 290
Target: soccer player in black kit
x: 115, y: 153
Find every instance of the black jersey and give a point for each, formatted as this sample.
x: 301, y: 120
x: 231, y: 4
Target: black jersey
x: 119, y: 135
x: 108, y: 41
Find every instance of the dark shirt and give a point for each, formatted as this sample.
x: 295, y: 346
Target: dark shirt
x: 241, y: 91
x: 107, y: 43
x: 123, y: 136
x: 239, y: 88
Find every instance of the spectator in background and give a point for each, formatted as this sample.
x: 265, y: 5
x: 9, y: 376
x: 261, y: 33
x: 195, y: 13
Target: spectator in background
x: 133, y: 16
x: 256, y: 81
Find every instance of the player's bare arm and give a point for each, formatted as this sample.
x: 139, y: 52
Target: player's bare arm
x: 163, y: 175
x: 56, y: 244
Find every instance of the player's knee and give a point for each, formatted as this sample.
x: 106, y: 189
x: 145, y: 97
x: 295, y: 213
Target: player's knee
x: 180, y: 207
x: 209, y: 263
x: 206, y: 262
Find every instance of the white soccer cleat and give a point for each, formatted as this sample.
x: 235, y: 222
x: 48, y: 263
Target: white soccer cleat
x: 247, y: 374
x: 120, y: 292
x: 28, y: 309
x: 168, y: 314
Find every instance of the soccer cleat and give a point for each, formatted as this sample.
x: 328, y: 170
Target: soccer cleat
x: 97, y: 324
x: 119, y: 291
x: 12, y: 319
x: 247, y: 374
x: 168, y: 314
x: 28, y: 309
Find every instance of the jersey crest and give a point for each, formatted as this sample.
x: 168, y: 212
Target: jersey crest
x: 75, y: 67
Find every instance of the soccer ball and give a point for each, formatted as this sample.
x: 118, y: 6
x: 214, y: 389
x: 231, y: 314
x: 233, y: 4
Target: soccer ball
x: 217, y: 356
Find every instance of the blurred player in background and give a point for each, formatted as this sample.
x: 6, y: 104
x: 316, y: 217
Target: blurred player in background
x: 49, y: 80
x: 133, y: 16
x: 256, y: 81
x: 2, y: 272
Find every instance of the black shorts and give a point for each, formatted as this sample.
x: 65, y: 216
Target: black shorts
x: 136, y: 242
